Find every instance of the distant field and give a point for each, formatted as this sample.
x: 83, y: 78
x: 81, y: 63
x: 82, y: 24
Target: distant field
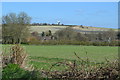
x: 40, y: 29
x: 44, y: 56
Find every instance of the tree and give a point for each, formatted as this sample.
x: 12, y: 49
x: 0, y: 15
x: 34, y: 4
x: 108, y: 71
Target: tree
x: 43, y: 34
x: 118, y: 35
x: 92, y: 36
x: 80, y: 37
x: 109, y: 35
x: 15, y: 26
x: 100, y: 36
x: 50, y: 33
x: 70, y: 34
x: 65, y: 34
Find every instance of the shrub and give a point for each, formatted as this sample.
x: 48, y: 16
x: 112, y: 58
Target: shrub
x: 17, y: 55
x: 15, y: 66
x: 85, y: 70
x: 33, y: 40
x: 13, y: 71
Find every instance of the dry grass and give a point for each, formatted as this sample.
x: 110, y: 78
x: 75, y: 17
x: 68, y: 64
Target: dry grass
x: 17, y: 56
x: 40, y: 29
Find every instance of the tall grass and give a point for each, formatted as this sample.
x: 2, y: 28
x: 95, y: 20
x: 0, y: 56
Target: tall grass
x: 16, y: 55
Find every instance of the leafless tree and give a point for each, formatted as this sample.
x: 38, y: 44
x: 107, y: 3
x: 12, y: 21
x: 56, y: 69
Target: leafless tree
x: 15, y: 26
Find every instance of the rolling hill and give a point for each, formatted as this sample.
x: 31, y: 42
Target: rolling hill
x: 83, y: 29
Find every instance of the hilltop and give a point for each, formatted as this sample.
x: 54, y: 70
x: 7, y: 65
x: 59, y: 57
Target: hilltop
x: 55, y: 28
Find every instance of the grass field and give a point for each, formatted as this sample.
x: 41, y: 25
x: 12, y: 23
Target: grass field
x: 44, y: 56
x: 40, y: 29
x: 67, y: 51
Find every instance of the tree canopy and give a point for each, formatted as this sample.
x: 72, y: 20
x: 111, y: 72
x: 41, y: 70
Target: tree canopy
x: 15, y: 28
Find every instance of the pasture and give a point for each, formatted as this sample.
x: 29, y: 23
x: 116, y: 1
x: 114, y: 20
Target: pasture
x: 97, y: 53
x: 43, y: 56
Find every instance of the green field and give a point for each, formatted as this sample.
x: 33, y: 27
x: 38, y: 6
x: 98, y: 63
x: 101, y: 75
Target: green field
x: 67, y: 51
x: 44, y: 56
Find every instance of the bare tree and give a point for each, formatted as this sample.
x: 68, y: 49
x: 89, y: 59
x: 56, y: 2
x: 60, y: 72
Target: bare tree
x: 70, y: 34
x: 80, y: 37
x: 66, y: 34
x: 15, y: 26
x: 109, y: 35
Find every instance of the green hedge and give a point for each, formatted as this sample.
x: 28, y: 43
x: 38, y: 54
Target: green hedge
x: 69, y: 42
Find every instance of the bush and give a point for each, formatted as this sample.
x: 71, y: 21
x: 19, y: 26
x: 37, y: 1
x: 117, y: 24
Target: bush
x: 17, y: 55
x: 33, y: 40
x: 13, y: 71
x: 84, y: 69
x: 15, y: 66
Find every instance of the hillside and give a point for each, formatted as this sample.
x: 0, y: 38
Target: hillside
x: 85, y: 29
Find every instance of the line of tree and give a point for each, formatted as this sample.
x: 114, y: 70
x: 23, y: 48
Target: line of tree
x: 44, y: 24
x: 15, y: 29
x: 71, y: 34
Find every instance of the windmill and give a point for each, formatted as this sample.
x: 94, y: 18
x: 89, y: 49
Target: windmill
x: 58, y: 22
